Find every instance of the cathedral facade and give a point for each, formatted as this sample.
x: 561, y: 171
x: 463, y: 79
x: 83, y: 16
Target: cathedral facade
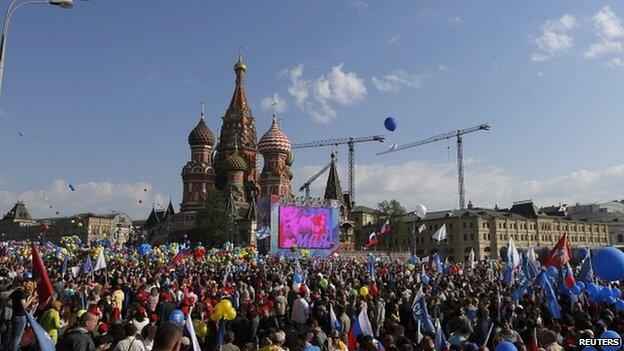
x: 231, y: 164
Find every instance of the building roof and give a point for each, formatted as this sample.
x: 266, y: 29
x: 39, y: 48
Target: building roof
x: 18, y: 212
x: 333, y: 191
x: 201, y: 134
x: 274, y: 140
x: 364, y: 209
x: 239, y: 102
x: 525, y: 209
x: 235, y: 162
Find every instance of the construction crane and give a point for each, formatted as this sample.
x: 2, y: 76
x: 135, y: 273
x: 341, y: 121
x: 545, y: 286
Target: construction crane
x: 460, y: 153
x: 350, y: 141
x: 306, y: 185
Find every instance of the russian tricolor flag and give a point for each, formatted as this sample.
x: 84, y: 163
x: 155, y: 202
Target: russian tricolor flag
x: 360, y: 326
x: 569, y: 276
x: 385, y: 228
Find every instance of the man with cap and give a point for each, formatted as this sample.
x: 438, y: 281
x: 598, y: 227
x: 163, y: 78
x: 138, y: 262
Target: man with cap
x: 300, y: 310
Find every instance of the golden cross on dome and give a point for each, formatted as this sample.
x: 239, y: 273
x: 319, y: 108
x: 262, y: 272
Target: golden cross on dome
x: 202, y: 104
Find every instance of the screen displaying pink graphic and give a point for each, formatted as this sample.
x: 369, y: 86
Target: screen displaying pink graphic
x: 305, y: 227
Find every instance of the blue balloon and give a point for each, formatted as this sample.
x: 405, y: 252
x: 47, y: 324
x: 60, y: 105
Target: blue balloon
x: 176, y: 316
x: 297, y: 278
x: 72, y: 187
x: 505, y: 346
x: 145, y: 249
x: 605, y: 292
x: 589, y: 348
x: 619, y: 304
x: 551, y: 271
x: 609, y: 264
x: 575, y: 290
x: 610, y: 300
x: 424, y: 279
x: 28, y: 275
x: 472, y: 314
x: 616, y: 293
x: 390, y: 124
x: 581, y: 285
x: 612, y: 335
x: 593, y: 289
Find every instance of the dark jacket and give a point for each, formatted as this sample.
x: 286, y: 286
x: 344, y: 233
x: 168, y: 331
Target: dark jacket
x: 77, y: 339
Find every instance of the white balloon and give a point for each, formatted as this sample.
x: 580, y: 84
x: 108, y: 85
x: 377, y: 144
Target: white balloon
x: 420, y: 211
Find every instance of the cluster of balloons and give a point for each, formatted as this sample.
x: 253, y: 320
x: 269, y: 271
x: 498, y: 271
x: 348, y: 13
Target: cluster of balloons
x: 199, y: 252
x: 608, y: 264
x: 605, y: 294
x: 201, y: 329
x: 145, y: 249
x: 71, y: 243
x: 366, y: 290
x: 223, y: 309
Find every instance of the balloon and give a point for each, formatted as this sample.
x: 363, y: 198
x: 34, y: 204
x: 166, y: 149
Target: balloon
x: 176, y: 316
x: 609, y: 264
x: 216, y: 315
x: 472, y: 314
x: 551, y: 271
x: 619, y: 304
x: 353, y: 293
x: 575, y: 290
x: 71, y: 186
x: 373, y: 290
x: 605, y: 292
x: 230, y: 314
x: 593, y: 289
x: 612, y: 335
x: 390, y: 124
x: 420, y: 211
x: 616, y: 293
x: 581, y: 285
x: 21, y: 133
x: 323, y: 283
x: 364, y: 291
x: 201, y: 330
x: 505, y: 346
x: 227, y: 304
x: 424, y: 279
x: 589, y: 348
x: 296, y: 286
x: 610, y: 300
x: 145, y: 249
x: 297, y: 278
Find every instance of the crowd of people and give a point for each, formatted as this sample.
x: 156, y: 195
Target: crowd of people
x: 348, y: 301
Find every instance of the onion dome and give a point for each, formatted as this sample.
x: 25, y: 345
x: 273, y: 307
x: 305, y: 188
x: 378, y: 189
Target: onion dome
x: 240, y: 65
x: 201, y: 134
x: 236, y: 162
x: 274, y: 140
x: 290, y: 159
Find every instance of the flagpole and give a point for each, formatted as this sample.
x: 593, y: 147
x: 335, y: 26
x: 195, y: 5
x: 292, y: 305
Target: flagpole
x: 487, y: 337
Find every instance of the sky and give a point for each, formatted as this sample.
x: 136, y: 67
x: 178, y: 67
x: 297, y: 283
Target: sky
x: 103, y: 96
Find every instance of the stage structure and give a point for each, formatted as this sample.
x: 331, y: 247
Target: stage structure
x: 299, y: 224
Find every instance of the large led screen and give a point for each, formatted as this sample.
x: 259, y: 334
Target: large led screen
x: 305, y: 227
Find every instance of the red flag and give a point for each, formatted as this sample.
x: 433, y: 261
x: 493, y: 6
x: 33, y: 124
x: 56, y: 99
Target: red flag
x: 179, y: 258
x: 560, y: 254
x: 533, y: 345
x: 44, y: 286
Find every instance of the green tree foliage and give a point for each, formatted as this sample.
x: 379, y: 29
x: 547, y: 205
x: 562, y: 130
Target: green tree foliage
x: 212, y: 225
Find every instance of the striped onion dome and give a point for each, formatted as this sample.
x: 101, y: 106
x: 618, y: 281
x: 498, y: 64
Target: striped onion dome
x: 236, y: 162
x: 201, y: 134
x: 274, y: 140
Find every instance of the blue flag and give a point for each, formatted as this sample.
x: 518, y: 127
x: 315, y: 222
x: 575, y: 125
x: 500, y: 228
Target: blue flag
x: 371, y: 265
x: 587, y: 270
x: 549, y: 294
x: 508, y: 274
x: 43, y: 338
x: 438, y: 262
x: 64, y: 267
x: 86, y: 266
x: 413, y: 259
x: 517, y: 294
x: 420, y: 313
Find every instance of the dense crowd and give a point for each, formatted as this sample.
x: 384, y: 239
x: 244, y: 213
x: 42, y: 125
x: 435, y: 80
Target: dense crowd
x: 284, y: 303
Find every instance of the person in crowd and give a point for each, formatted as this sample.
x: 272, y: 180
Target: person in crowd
x: 131, y: 342
x: 168, y: 337
x: 50, y: 320
x: 20, y: 300
x: 79, y: 338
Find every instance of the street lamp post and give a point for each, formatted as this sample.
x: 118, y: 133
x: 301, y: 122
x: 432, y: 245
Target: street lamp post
x: 14, y: 5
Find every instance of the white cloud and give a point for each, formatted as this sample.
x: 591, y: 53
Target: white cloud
x: 396, y: 80
x: 318, y: 96
x: 608, y: 28
x: 614, y: 62
x: 434, y: 184
x: 456, y: 20
x: 443, y: 68
x: 99, y: 197
x: 274, y: 103
x: 393, y: 39
x: 540, y: 74
x: 360, y: 4
x: 555, y: 38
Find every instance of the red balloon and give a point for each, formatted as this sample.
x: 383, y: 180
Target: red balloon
x: 373, y: 290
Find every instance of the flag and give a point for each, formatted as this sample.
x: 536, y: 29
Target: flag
x: 178, y: 258
x: 86, y: 266
x: 371, y: 265
x: 587, y: 272
x: 517, y: 294
x: 532, y: 265
x: 385, y: 228
x: 221, y: 333
x: 569, y: 276
x: 75, y: 271
x: 101, y: 262
x: 192, y: 335
x: 513, y: 256
x: 334, y: 322
x: 44, y: 285
x: 43, y: 338
x: 533, y: 344
x: 508, y: 274
x: 422, y: 228
x: 438, y: 262
x: 419, y: 335
x: 372, y: 241
x: 263, y: 232
x: 560, y: 254
x: 413, y: 259
x: 420, y: 313
x: 471, y: 259
x: 64, y: 266
x: 440, y: 234
x: 549, y: 295
x: 440, y: 343
x: 447, y: 266
x: 225, y: 277
x: 359, y: 326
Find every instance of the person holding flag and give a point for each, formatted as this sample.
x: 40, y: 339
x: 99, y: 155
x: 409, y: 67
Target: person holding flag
x: 20, y: 301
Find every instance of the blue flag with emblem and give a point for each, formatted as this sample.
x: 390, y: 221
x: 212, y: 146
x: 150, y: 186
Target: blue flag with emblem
x: 420, y: 313
x: 549, y: 295
x: 438, y: 263
x: 586, y: 273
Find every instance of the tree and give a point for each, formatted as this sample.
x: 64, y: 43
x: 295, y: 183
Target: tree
x: 393, y: 211
x: 212, y: 224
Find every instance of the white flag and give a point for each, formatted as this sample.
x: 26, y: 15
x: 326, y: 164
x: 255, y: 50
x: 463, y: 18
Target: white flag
x: 101, y: 263
x: 75, y: 271
x: 422, y: 228
x: 513, y: 256
x: 440, y: 234
x: 471, y: 258
x: 191, y: 331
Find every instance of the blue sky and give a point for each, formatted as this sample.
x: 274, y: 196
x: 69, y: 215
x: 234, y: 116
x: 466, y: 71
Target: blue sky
x: 106, y: 93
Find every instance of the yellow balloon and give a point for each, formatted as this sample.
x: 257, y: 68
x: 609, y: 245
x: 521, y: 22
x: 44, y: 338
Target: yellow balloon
x: 202, y: 331
x: 364, y: 291
x: 230, y: 314
x: 216, y: 315
x: 227, y: 304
